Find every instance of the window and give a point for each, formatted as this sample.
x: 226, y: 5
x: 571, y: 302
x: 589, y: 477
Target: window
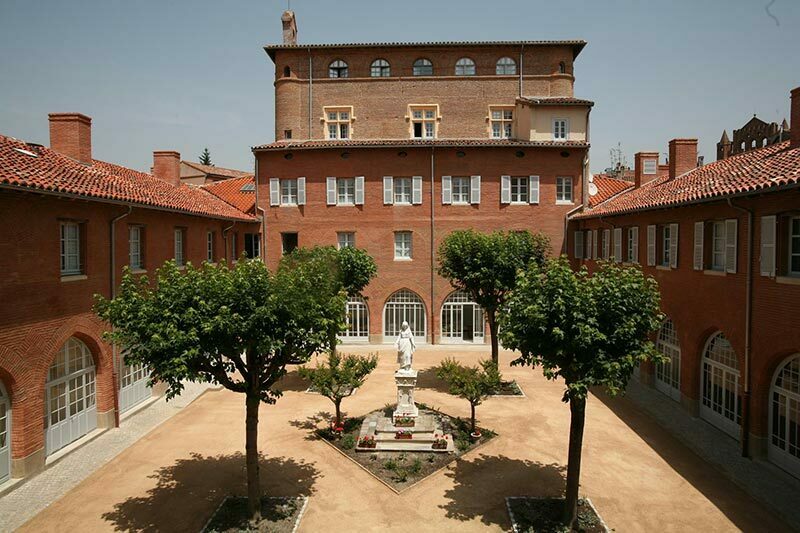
x: 289, y: 192
x: 380, y: 69
x: 357, y: 320
x: 287, y: 71
x: 423, y: 122
x: 287, y: 134
x: 462, y: 319
x: 668, y: 374
x: 633, y: 245
x: 718, y: 245
x: 794, y: 246
x: 666, y: 245
x: 288, y: 242
x: 501, y: 120
x: 135, y: 260
x: 562, y: 67
x: 404, y: 306
x: 402, y: 245
x: 465, y: 67
x: 252, y: 245
x: 506, y: 66
x: 179, y: 246
x: 460, y: 189
x: 785, y: 417
x: 422, y: 67
x: 563, y: 190
x: 650, y: 166
x: 346, y: 239
x: 519, y: 189
x: 345, y: 191
x: 338, y: 69
x: 402, y: 190
x: 71, y: 263
x: 721, y: 404
x: 210, y: 246
x: 560, y: 129
x: 337, y: 122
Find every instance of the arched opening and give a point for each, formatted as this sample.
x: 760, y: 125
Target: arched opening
x: 668, y: 375
x: 461, y: 320
x: 5, y: 434
x: 380, y: 69
x: 562, y: 68
x: 505, y: 66
x: 784, y: 418
x: 465, y: 67
x: 422, y: 67
x: 404, y: 305
x: 338, y: 69
x: 70, y: 399
x: 287, y: 71
x: 133, y: 388
x: 357, y: 320
x: 721, y: 404
x: 754, y: 144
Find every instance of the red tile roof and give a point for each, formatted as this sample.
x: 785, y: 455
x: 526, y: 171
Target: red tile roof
x: 26, y: 166
x: 607, y: 187
x: 230, y: 190
x: 218, y: 171
x: 414, y: 143
x: 760, y: 170
x: 553, y: 100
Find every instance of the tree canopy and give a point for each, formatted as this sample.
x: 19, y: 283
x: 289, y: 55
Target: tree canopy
x: 473, y: 383
x: 205, y: 157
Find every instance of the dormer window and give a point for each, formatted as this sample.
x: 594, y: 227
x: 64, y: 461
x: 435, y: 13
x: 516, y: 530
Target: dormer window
x: 423, y: 121
x: 560, y: 129
x: 465, y: 67
x: 337, y: 122
x: 380, y: 69
x: 501, y: 119
x: 423, y: 67
x: 506, y: 67
x: 338, y: 69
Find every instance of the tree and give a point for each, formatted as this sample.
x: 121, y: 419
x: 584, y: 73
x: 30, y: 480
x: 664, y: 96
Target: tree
x: 236, y: 327
x: 589, y: 330
x: 485, y: 266
x: 205, y: 157
x: 473, y: 383
x: 339, y: 376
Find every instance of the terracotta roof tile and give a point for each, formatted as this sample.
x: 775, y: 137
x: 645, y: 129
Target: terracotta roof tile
x: 553, y: 100
x: 412, y: 143
x: 231, y: 191
x: 218, y: 171
x: 607, y: 187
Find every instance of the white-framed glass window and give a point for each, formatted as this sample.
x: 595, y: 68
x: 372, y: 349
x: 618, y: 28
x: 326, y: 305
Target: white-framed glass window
x: 666, y: 239
x: 407, y: 306
x: 650, y: 166
x: 338, y: 69
x: 721, y: 404
x: 465, y: 67
x: 519, y: 189
x: 632, y: 253
x: 462, y: 319
x: 179, y: 233
x: 422, y: 67
x: 506, y: 67
x: 210, y: 246
x: 135, y: 259
x: 337, y: 122
x: 402, y: 245
x: 668, y: 375
x: 252, y: 245
x: 357, y: 320
x: 564, y: 190
x: 5, y: 435
x: 289, y: 191
x: 718, y: 245
x: 70, y: 248
x: 380, y: 69
x: 794, y: 247
x: 423, y: 122
x: 460, y: 185
x: 345, y: 191
x: 501, y: 120
x: 560, y: 129
x: 345, y: 239
x: 403, y: 190
x: 784, y: 422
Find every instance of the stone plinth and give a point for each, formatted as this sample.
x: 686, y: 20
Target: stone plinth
x: 426, y: 430
x: 406, y: 381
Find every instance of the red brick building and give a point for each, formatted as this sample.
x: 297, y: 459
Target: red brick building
x: 391, y: 146
x: 71, y: 223
x: 723, y: 242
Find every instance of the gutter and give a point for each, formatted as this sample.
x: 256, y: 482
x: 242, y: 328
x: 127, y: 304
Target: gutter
x: 116, y: 362
x: 310, y: 89
x: 433, y: 247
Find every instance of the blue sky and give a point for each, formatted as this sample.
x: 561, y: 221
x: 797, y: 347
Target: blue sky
x: 184, y: 75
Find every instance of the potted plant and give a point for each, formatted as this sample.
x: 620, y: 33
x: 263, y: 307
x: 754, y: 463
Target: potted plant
x: 439, y: 443
x: 367, y: 441
x: 402, y: 434
x: 404, y: 422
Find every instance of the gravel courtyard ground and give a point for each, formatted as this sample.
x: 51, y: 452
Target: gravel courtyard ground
x: 639, y: 477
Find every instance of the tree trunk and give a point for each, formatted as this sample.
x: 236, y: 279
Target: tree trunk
x: 490, y: 316
x: 577, y: 407
x: 338, y: 405
x: 472, y: 405
x: 251, y: 448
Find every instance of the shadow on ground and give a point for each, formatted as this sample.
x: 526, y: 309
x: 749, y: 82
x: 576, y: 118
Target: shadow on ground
x: 426, y: 379
x: 482, y: 484
x: 291, y: 382
x: 312, y: 423
x: 188, y: 492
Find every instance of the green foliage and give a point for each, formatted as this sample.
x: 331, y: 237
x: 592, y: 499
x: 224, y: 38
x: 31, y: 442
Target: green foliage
x: 473, y: 383
x: 390, y: 464
x: 415, y: 467
x: 348, y: 441
x: 588, y: 330
x: 205, y: 157
x: 462, y: 445
x: 357, y: 269
x: 337, y: 377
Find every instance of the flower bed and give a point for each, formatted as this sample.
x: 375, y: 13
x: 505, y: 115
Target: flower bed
x: 367, y: 441
x: 403, y: 434
x: 508, y: 388
x: 543, y: 515
x: 404, y: 422
x: 279, y: 515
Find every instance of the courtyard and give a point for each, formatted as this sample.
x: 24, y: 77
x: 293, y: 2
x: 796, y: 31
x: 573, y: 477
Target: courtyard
x: 638, y: 476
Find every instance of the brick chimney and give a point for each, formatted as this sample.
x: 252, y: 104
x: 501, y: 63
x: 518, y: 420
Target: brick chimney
x: 167, y: 166
x: 795, y: 118
x: 71, y: 135
x: 682, y: 156
x: 289, y: 27
x: 642, y: 175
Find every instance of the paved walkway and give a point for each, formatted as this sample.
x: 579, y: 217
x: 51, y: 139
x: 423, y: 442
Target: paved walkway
x: 29, y: 498
x: 639, y: 477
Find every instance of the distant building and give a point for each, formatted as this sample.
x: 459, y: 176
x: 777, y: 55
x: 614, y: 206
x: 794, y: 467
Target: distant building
x: 197, y: 174
x: 755, y: 134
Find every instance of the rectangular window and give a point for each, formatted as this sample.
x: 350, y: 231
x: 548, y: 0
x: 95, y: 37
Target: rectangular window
x: 287, y: 134
x: 346, y: 239
x: 402, y: 190
x: 402, y: 245
x: 210, y: 246
x: 71, y: 249
x: 252, y: 245
x: 346, y: 191
x: 563, y: 190
x: 337, y: 122
x: 633, y: 245
x: 519, y: 189
x: 135, y: 260
x: 288, y: 242
x: 289, y: 192
x: 460, y: 190
x: 666, y: 241
x: 560, y: 129
x: 794, y: 246
x: 423, y: 122
x: 650, y: 166
x: 501, y: 120
x: 718, y: 245
x: 179, y: 246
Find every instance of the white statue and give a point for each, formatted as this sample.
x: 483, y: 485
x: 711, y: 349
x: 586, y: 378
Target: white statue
x: 405, y: 347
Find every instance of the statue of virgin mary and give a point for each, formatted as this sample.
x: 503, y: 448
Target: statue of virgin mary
x: 405, y: 347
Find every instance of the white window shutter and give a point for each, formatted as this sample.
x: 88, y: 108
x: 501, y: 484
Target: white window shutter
x: 330, y: 185
x: 359, y: 190
x: 475, y: 190
x: 588, y: 243
x: 595, y: 244
x: 731, y: 241
x: 578, y: 245
x: 533, y: 189
x: 618, y: 245
x: 388, y: 190
x: 416, y: 189
x: 274, y: 191
x: 651, y: 245
x: 768, y: 231
x: 699, y: 229
x: 447, y: 190
x: 301, y: 191
x: 673, y: 246
x: 606, y: 242
x: 635, y: 232
x: 505, y: 189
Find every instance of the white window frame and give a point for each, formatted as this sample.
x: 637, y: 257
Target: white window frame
x: 560, y: 129
x: 401, y: 188
x: 506, y: 66
x: 338, y: 122
x: 460, y: 189
x: 342, y: 69
x: 666, y: 245
x: 618, y: 245
x: 520, y: 192
x: 564, y: 186
x: 380, y: 68
x: 465, y: 67
x: 649, y: 166
x: 501, y: 122
x: 210, y: 246
x: 427, y: 116
x: 718, y: 245
x: 345, y: 239
x: 135, y: 259
x: 179, y: 238
x: 420, y: 64
x: 289, y: 191
x: 357, y: 321
x: 71, y: 249
x: 345, y: 191
x: 405, y: 305
x: 403, y: 245
x: 633, y: 244
x: 577, y: 239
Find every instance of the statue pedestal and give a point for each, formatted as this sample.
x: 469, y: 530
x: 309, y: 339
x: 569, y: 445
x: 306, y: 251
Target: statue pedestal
x: 406, y: 381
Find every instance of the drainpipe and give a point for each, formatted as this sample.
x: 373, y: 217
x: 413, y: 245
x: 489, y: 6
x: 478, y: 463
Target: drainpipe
x: 521, y: 52
x: 748, y: 319
x: 310, y: 90
x: 115, y: 360
x: 433, y: 246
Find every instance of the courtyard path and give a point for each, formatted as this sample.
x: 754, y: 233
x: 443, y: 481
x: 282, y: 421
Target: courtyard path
x: 175, y: 476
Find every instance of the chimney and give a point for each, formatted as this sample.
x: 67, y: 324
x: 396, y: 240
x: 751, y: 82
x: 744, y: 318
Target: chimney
x: 795, y: 118
x: 167, y: 166
x: 645, y: 168
x: 71, y: 135
x: 289, y: 27
x: 682, y: 156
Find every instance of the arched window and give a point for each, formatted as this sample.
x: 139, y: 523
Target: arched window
x: 404, y: 305
x: 287, y: 71
x: 668, y: 375
x: 5, y: 435
x: 338, y: 69
x: 721, y: 405
x: 562, y: 68
x: 462, y: 319
x: 764, y: 141
x: 357, y: 320
x: 70, y: 396
x: 423, y: 67
x: 133, y: 388
x: 506, y: 66
x: 784, y: 418
x: 380, y: 69
x: 465, y: 67
x: 754, y: 144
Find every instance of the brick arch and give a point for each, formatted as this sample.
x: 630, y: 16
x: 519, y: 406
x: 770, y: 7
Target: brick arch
x: 426, y: 308
x: 767, y: 378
